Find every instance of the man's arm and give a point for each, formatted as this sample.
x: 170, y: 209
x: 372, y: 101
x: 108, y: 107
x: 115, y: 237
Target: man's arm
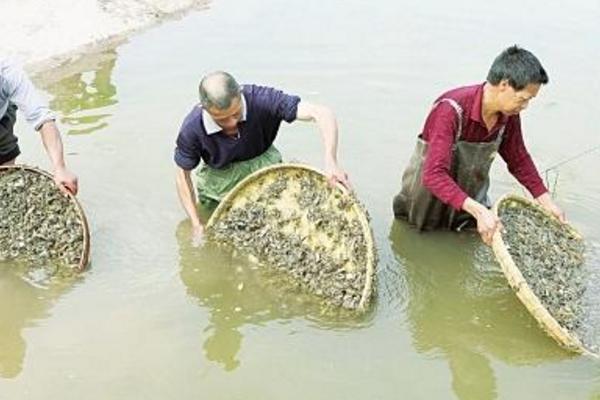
x: 546, y: 201
x: 487, y: 222
x: 187, y: 157
x: 185, y: 190
x: 439, y: 133
x: 521, y: 166
x: 22, y: 92
x: 327, y: 125
x: 63, y: 178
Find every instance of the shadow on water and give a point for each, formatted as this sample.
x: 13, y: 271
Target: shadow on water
x: 461, y: 309
x: 80, y: 95
x: 237, y: 293
x: 22, y: 305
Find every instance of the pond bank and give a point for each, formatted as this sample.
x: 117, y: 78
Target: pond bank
x: 41, y: 36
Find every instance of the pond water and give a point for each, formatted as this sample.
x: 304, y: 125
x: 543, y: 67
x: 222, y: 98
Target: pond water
x: 155, y: 318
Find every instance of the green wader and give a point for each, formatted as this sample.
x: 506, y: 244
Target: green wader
x: 470, y: 169
x: 213, y: 184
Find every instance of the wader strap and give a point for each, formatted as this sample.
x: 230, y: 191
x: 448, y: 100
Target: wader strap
x: 501, y: 135
x: 459, y: 113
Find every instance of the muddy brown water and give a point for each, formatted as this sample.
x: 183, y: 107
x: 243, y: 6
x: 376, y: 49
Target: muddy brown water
x: 154, y: 318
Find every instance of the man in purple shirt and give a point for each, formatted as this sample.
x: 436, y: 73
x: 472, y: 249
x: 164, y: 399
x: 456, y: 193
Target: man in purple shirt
x: 232, y: 132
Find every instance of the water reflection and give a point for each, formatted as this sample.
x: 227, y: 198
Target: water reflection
x: 21, y: 306
x: 237, y: 293
x: 81, y: 96
x: 460, y: 308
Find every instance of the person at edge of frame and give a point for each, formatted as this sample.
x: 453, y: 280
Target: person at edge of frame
x: 18, y: 92
x: 445, y: 185
x: 232, y: 132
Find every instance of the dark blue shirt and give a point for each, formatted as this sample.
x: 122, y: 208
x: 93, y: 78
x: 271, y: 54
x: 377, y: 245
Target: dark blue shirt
x: 265, y: 109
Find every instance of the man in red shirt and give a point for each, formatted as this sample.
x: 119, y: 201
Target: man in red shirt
x: 446, y: 183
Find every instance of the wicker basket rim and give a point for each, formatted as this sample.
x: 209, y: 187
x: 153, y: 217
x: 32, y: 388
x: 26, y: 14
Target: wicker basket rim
x: 522, y: 289
x: 249, y: 180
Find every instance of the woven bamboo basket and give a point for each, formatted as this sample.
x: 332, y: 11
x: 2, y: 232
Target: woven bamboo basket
x: 523, y: 291
x: 84, y: 259
x: 250, y: 187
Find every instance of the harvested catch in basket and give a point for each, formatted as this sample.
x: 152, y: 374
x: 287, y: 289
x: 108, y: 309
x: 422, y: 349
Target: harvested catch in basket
x: 41, y: 229
x: 291, y: 219
x: 543, y: 259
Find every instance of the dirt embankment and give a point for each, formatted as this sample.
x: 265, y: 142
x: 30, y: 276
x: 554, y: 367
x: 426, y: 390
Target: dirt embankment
x: 40, y: 34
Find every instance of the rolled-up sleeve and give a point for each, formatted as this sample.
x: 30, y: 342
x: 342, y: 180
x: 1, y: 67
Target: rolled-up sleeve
x: 20, y: 90
x: 519, y: 162
x: 187, y: 152
x: 280, y: 105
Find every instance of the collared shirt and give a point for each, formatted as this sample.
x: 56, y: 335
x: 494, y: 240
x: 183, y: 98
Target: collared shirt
x: 15, y: 87
x: 264, y: 109
x: 439, y: 133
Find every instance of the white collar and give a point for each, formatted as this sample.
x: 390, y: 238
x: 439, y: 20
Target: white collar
x: 211, y: 127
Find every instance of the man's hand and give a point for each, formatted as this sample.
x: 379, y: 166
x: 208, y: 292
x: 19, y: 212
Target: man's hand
x: 487, y: 222
x: 335, y: 174
x: 66, y: 181
x: 197, y: 235
x: 185, y: 190
x: 327, y: 124
x: 546, y: 201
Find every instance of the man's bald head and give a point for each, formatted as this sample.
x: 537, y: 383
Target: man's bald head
x: 217, y: 90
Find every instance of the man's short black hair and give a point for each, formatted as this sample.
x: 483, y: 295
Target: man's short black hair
x: 519, y: 66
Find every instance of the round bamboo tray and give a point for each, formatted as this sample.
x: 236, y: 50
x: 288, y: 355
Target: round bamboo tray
x: 251, y: 186
x: 84, y: 260
x: 523, y: 291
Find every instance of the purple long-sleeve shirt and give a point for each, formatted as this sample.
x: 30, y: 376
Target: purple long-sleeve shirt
x: 264, y: 109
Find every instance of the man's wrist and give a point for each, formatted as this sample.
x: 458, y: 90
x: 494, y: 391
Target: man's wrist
x: 544, y: 198
x: 197, y: 224
x: 60, y: 167
x: 330, y: 161
x: 473, y: 207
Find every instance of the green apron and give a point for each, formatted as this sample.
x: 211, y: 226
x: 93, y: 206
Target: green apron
x: 470, y: 168
x: 213, y: 184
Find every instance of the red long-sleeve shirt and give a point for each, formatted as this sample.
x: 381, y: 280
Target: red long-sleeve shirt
x: 439, y: 131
